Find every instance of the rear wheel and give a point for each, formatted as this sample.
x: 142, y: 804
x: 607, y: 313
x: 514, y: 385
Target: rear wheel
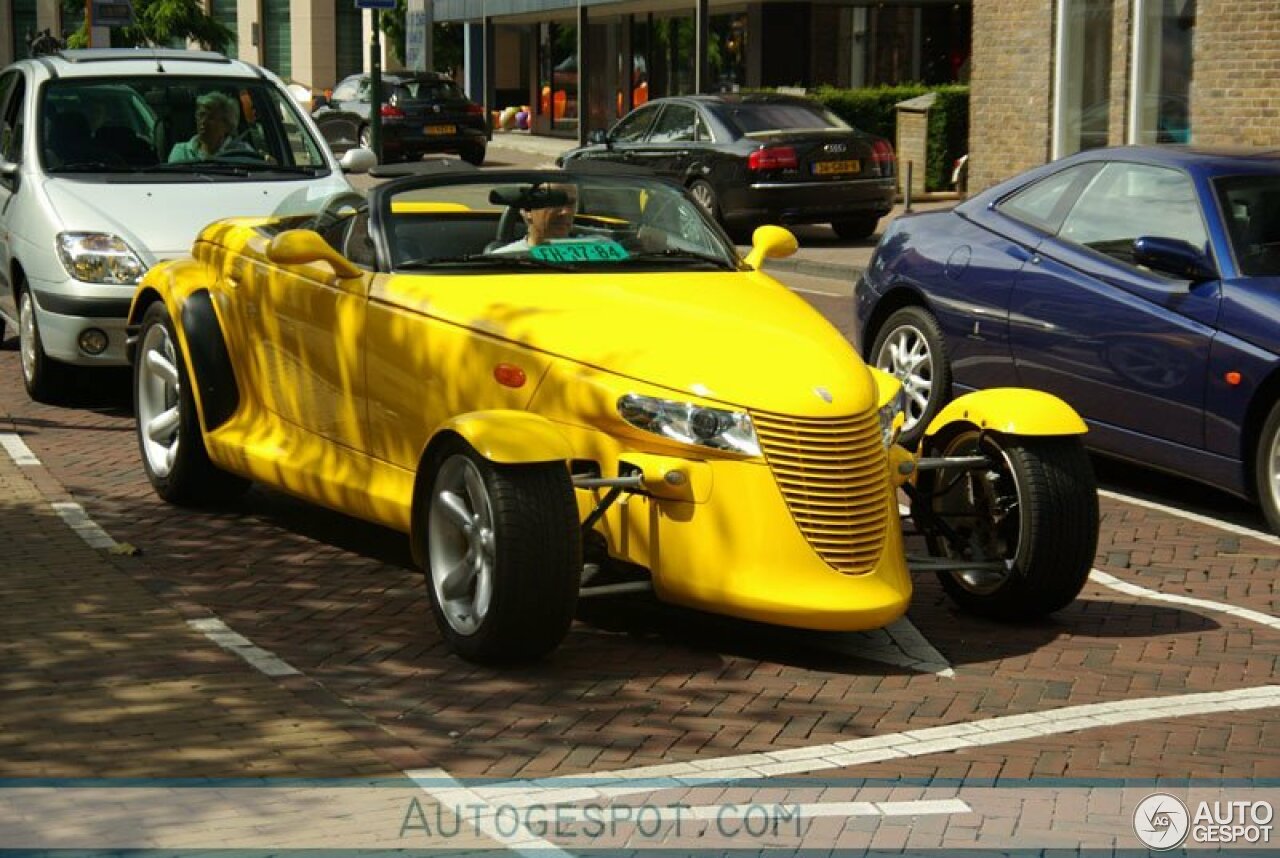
x: 1026, y: 523
x: 705, y: 195
x: 504, y: 555
x: 365, y: 137
x: 474, y: 155
x: 910, y: 346
x: 44, y: 377
x: 1267, y: 469
x: 168, y: 426
x: 855, y: 228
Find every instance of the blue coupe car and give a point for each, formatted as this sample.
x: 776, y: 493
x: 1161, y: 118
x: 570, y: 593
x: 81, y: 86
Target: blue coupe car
x: 1140, y: 284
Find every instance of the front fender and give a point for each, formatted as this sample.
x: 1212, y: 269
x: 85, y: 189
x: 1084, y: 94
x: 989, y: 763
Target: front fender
x: 509, y: 437
x: 1012, y: 410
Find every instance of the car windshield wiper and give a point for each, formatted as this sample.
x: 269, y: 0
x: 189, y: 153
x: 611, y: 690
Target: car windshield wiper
x: 90, y: 167
x: 220, y: 168
x: 499, y: 260
x: 675, y: 253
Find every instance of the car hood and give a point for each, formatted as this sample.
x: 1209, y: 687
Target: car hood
x: 160, y: 221
x: 740, y: 338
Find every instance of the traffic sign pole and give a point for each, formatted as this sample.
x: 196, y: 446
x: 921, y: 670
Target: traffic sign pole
x: 375, y: 86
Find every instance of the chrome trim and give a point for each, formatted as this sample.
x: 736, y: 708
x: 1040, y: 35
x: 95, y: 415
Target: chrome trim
x: 773, y: 186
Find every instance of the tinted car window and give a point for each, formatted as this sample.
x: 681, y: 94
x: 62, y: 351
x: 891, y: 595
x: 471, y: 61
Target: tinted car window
x: 346, y: 90
x: 765, y: 116
x: 633, y: 127
x: 11, y: 127
x: 1044, y: 204
x: 427, y: 90
x: 1128, y: 201
x: 1251, y: 207
x: 677, y: 123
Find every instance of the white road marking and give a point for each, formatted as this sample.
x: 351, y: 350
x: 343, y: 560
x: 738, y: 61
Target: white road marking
x: 911, y: 743
x: 1191, y: 516
x: 262, y: 660
x: 18, y: 449
x: 78, y: 520
x: 899, y: 643
x: 1221, y: 607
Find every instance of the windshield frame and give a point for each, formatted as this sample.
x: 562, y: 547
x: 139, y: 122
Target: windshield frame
x: 380, y: 198
x: 266, y: 87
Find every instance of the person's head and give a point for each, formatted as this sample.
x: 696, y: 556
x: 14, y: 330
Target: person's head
x: 553, y: 221
x: 217, y: 116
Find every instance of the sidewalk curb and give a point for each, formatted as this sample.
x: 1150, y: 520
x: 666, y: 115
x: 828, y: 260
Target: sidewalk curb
x: 829, y: 270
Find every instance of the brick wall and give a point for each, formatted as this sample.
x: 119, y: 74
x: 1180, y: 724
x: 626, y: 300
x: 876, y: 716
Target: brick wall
x: 1235, y: 84
x: 1121, y: 71
x: 1012, y: 82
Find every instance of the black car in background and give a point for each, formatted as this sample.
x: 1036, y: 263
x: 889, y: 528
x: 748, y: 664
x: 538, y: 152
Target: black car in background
x: 759, y: 158
x: 421, y: 112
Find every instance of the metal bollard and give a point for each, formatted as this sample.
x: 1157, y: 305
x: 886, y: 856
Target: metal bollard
x: 906, y: 207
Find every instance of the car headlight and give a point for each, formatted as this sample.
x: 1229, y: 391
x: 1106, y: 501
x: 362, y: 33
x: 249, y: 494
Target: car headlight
x: 99, y: 257
x: 892, y: 416
x: 691, y: 424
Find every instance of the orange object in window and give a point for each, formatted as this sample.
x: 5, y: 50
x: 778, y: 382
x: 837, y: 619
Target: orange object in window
x: 640, y: 94
x: 544, y: 107
x: 560, y: 99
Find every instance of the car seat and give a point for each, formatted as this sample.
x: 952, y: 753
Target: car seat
x: 70, y: 139
x: 124, y: 144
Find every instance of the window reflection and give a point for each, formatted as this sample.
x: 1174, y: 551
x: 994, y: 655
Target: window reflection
x: 1161, y: 110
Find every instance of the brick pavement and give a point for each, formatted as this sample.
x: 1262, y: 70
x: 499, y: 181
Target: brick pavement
x: 638, y: 683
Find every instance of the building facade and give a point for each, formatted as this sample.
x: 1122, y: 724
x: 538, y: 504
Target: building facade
x: 1053, y: 77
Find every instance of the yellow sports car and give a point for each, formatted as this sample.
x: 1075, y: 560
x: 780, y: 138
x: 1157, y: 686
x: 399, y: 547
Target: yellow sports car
x: 564, y: 384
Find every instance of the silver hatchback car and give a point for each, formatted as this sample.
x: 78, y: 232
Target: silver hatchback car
x: 112, y: 160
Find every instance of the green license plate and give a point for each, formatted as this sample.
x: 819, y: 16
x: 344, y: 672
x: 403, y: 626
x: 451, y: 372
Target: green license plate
x: 579, y: 251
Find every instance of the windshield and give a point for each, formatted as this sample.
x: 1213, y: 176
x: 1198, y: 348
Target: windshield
x: 1251, y: 207
x: 550, y: 221
x: 425, y: 90
x: 759, y: 117
x: 156, y: 125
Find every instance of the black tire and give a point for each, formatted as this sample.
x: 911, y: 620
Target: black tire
x: 46, y: 379
x: 1266, y: 469
x: 927, y: 383
x: 534, y: 566
x: 1040, y: 519
x: 474, y: 155
x: 191, y: 479
x: 855, y: 228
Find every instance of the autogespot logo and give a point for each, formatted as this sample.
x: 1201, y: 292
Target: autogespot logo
x: 1161, y: 821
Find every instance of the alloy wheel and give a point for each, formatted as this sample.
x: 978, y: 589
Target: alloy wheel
x: 704, y: 196
x: 905, y: 354
x: 159, y: 396
x: 28, y: 341
x: 463, y: 555
x: 985, y: 508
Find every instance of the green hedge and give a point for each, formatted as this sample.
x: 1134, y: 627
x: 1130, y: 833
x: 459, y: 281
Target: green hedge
x: 873, y: 111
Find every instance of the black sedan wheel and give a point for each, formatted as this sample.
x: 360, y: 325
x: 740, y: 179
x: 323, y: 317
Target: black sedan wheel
x: 855, y: 228
x: 705, y: 196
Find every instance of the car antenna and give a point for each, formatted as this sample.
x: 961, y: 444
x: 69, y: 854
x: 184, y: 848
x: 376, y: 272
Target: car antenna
x: 156, y: 56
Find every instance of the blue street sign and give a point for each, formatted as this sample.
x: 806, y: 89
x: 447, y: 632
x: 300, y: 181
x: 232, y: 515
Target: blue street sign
x: 375, y: 4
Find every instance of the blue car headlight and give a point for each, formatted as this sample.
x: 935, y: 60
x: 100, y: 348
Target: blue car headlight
x: 687, y: 423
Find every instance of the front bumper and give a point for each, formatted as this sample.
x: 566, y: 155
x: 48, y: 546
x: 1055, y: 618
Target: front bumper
x: 65, y: 310
x: 733, y: 547
x: 808, y: 202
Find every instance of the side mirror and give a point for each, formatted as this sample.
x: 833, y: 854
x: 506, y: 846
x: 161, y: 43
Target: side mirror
x: 1174, y: 257
x: 358, y: 160
x: 318, y: 101
x: 599, y: 137
x: 771, y: 242
x: 302, y: 247
x: 9, y: 173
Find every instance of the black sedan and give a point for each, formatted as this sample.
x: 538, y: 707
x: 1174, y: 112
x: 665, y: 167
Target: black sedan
x: 421, y: 112
x: 753, y: 159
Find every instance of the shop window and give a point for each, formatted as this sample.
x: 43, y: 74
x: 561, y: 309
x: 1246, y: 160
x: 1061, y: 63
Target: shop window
x: 558, y: 75
x: 1083, y: 82
x: 1163, y: 35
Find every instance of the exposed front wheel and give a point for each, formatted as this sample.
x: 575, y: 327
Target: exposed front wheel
x: 43, y: 377
x: 474, y: 155
x: 168, y: 426
x: 1022, y: 530
x: 1267, y: 469
x: 504, y: 555
x: 910, y: 346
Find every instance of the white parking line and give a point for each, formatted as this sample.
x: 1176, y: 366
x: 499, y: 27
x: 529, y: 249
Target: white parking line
x: 1191, y: 516
x: 78, y: 520
x: 911, y: 743
x: 1221, y: 607
x: 260, y: 659
x: 18, y: 449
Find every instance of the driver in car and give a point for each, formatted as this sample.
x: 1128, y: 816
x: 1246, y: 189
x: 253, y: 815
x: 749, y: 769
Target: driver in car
x: 217, y: 117
x: 544, y: 225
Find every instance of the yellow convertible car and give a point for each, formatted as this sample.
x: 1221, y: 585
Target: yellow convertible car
x: 565, y: 384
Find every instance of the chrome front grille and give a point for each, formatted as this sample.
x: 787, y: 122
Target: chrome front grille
x: 834, y: 476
